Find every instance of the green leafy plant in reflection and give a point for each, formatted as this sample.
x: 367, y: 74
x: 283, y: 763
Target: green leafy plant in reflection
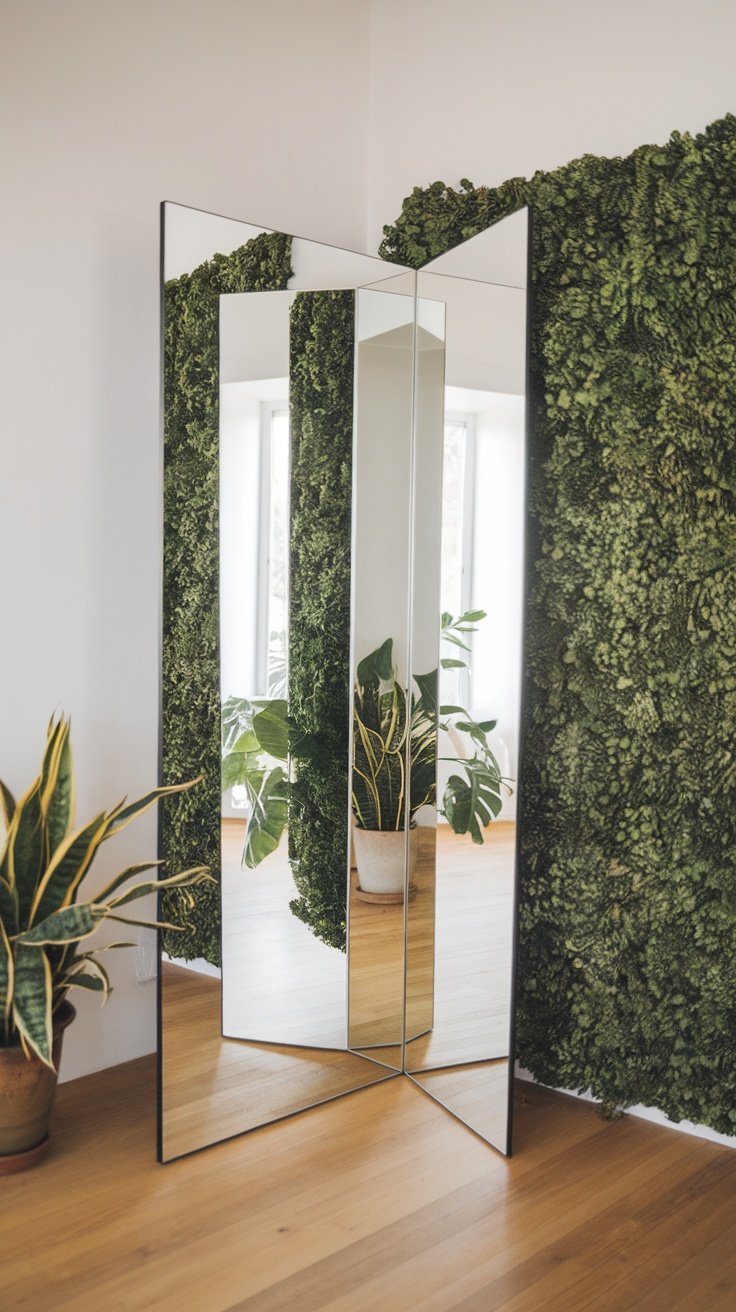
x: 255, y: 749
x: 471, y: 800
x: 386, y: 731
x: 382, y: 724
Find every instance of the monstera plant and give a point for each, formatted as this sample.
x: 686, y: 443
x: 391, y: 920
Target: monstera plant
x: 45, y: 928
x: 255, y: 749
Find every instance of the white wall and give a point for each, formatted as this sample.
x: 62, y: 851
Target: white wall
x: 492, y: 89
x: 250, y: 109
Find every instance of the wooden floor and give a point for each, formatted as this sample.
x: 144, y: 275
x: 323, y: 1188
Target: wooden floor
x: 380, y: 1201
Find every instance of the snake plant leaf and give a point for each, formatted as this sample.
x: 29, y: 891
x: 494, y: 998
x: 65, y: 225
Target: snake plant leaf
x: 67, y: 868
x: 130, y: 872
x: 25, y: 852
x: 270, y: 728
x: 6, y: 978
x: 266, y: 824
x: 427, y: 684
x: 146, y: 924
x: 378, y: 666
x: 50, y: 761
x: 78, y: 980
x: 32, y: 1000
x: 8, y: 907
x: 448, y: 664
x: 67, y: 925
x: 197, y: 874
x: 123, y: 814
x: 7, y: 804
x: 87, y: 972
x: 59, y: 805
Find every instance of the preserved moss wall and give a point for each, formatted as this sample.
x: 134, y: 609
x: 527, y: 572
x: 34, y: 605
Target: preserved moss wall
x: 627, y: 975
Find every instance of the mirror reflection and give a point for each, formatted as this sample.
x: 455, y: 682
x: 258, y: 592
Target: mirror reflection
x: 367, y: 488
x: 476, y: 580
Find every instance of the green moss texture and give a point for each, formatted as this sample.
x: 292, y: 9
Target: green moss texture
x: 627, y: 976
x: 190, y: 825
x: 321, y: 420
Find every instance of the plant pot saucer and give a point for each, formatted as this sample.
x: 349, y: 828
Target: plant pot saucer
x: 386, y: 899
x: 11, y: 1163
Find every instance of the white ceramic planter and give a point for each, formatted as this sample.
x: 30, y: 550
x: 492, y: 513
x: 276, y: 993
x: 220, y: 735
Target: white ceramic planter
x: 380, y: 857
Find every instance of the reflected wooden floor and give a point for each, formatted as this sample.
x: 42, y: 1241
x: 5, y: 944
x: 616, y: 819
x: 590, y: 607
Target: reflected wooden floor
x: 474, y: 922
x: 280, y: 983
x: 215, y: 1088
x: 477, y: 1093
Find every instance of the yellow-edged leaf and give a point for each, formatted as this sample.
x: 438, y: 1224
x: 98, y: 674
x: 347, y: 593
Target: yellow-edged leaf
x: 68, y: 925
x: 6, y: 978
x: 185, y: 879
x: 129, y: 873
x: 58, y: 801
x: 32, y: 997
x: 123, y: 814
x: 51, y: 758
x: 7, y: 804
x: 25, y: 850
x: 8, y: 907
x: 67, y: 868
x: 81, y: 971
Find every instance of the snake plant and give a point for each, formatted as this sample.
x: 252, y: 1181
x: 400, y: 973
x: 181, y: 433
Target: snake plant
x: 386, y: 733
x: 43, y: 928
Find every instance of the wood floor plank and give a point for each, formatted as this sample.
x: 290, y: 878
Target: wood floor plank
x: 377, y: 1201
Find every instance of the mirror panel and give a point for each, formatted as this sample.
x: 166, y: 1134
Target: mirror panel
x: 265, y: 1034
x: 369, y: 421
x: 476, y: 585
x: 381, y: 556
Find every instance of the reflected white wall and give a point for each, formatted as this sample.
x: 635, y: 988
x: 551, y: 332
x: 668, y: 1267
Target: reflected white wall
x: 498, y: 572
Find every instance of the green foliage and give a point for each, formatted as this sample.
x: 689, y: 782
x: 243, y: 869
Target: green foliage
x: 43, y: 861
x: 383, y: 736
x: 191, y: 674
x: 381, y: 728
x: 254, y: 738
x: 627, y: 974
x: 321, y: 420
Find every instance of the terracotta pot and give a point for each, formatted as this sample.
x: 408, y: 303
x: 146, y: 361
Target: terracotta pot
x: 380, y: 859
x: 27, y: 1089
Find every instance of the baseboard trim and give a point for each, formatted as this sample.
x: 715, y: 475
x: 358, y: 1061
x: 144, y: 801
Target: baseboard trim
x: 652, y: 1114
